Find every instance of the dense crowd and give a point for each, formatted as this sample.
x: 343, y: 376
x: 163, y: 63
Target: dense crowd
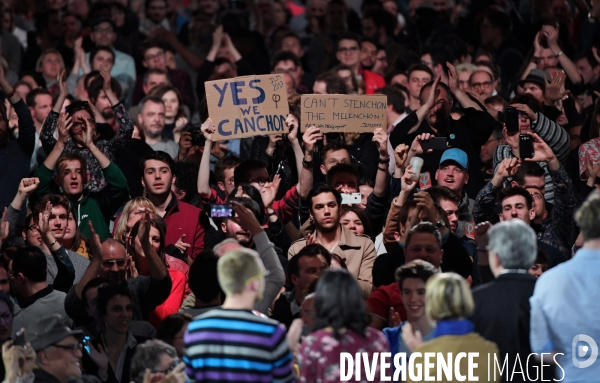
x: 135, y: 246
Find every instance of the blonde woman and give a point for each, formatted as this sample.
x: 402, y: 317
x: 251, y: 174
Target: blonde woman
x: 132, y: 211
x: 448, y: 301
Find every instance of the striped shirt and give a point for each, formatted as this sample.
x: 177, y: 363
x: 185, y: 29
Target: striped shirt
x: 225, y: 345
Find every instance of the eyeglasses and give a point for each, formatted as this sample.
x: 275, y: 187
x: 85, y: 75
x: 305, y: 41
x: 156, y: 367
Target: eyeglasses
x: 230, y: 181
x: 69, y: 347
x: 154, y: 56
x: 6, y: 317
x: 110, y: 262
x: 349, y: 50
x: 486, y: 84
x: 261, y: 181
x: 257, y: 276
x: 34, y: 228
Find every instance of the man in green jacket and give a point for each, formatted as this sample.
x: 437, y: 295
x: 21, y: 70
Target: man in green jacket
x: 71, y: 177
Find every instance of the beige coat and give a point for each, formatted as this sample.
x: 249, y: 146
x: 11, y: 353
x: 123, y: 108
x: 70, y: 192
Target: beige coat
x: 357, y: 251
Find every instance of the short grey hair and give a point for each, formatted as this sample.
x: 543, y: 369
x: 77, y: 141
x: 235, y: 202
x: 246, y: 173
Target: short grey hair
x: 220, y: 245
x: 515, y: 243
x: 147, y: 355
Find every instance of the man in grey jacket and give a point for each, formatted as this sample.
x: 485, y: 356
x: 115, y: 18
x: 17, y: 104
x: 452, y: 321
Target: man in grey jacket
x: 244, y: 230
x: 38, y: 299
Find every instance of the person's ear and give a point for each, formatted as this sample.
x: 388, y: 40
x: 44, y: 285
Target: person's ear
x: 513, y: 184
x: 173, y: 180
x: 180, y: 194
x: 143, y: 183
x: 531, y: 214
x: 224, y: 227
x: 545, y: 214
x: 397, y: 236
x: 294, y: 279
x: 466, y: 177
x: 221, y: 185
x: 322, y: 167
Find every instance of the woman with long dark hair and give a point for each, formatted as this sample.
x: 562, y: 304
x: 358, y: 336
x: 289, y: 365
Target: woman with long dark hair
x: 156, y: 236
x: 341, y: 325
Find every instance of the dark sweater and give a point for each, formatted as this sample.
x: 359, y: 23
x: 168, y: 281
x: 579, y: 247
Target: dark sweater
x: 15, y: 157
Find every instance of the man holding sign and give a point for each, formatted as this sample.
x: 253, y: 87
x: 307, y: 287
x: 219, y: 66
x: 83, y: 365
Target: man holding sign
x: 253, y: 172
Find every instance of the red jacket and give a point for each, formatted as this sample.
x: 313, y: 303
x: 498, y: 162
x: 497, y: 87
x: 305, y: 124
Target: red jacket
x: 372, y: 81
x: 173, y: 302
x: 183, y: 218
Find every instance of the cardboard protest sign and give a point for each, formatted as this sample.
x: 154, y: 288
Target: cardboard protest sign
x: 247, y: 106
x: 344, y: 113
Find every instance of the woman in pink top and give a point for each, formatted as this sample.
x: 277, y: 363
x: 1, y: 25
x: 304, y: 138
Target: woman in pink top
x: 341, y: 325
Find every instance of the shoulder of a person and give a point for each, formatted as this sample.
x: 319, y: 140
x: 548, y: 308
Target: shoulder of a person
x: 298, y: 244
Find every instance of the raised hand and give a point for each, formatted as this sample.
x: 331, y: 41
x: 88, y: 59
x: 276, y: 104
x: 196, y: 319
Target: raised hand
x: 416, y: 147
x: 105, y: 73
x: 310, y: 239
x: 44, y: 220
x: 432, y: 94
x: 555, y: 89
x: 310, y: 138
x: 452, y: 78
x: 218, y: 36
x: 99, y: 356
x: 182, y: 245
x: 65, y: 124
x: 12, y: 356
x: 144, y: 230
x: 537, y: 48
x: 4, y: 226
x: 95, y: 245
x: 292, y: 124
x: 426, y: 205
x: 542, y: 152
x: 62, y: 84
x: 245, y: 218
x: 180, y: 123
x: 380, y: 138
x: 88, y: 134
x: 28, y: 185
x: 400, y: 155
x: 207, y: 129
x: 551, y: 34
x: 407, y: 183
x: 269, y: 191
x: 507, y: 168
x: 527, y: 110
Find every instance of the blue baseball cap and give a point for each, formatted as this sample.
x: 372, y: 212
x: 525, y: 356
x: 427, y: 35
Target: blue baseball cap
x: 456, y: 155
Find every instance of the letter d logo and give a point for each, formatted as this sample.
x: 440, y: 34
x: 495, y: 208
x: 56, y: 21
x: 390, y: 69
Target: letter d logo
x: 581, y: 351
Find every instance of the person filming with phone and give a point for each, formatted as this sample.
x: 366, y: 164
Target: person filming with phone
x: 524, y: 115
